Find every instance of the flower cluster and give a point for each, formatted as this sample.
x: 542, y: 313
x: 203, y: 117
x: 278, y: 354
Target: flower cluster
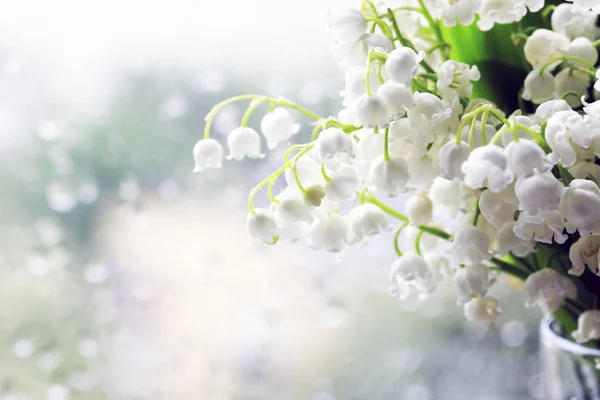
x: 520, y: 190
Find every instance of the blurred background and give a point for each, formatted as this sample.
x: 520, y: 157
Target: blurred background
x: 125, y: 276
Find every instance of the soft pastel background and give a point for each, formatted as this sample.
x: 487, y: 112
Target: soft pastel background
x: 125, y: 276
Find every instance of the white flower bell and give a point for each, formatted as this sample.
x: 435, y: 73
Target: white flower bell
x: 452, y: 157
x: 428, y: 111
x: 244, y: 142
x: 543, y: 228
x: 549, y: 108
x: 332, y: 142
x: 584, y: 6
x: 545, y: 289
x: 342, y: 184
x: 484, y: 309
x: 543, y: 45
x: 347, y: 24
x: 471, y: 245
x: 539, y: 87
x: 539, y: 193
x: 524, y: 157
x: 584, y: 252
x: 403, y: 64
x: 486, y: 166
x: 498, y: 208
x: 332, y: 232
x: 371, y: 111
x: 471, y: 281
x: 564, y: 129
x: 572, y: 25
x: 580, y: 207
x: 263, y: 226
x: 208, y: 154
x: 367, y: 220
x: 292, y: 206
x: 583, y: 47
x: 572, y: 81
x: 419, y: 210
x: 457, y: 76
x: 388, y: 177
x: 508, y: 242
x: 411, y: 271
x: 278, y: 126
x: 450, y: 196
x: 397, y: 97
x: 588, y: 326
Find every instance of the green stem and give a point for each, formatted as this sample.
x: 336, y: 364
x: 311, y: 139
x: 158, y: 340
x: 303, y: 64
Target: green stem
x: 418, y: 243
x: 367, y: 196
x: 565, y: 59
x: 397, y: 236
x: 404, y: 41
x: 434, y: 24
x: 386, y: 151
x: 324, y: 173
x: 253, y: 106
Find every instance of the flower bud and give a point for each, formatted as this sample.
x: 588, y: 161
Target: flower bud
x: 208, y: 154
x: 508, y: 242
x: 580, y: 207
x: 549, y: 108
x: 262, y: 225
x: 397, y: 97
x: 471, y: 281
x: 388, y: 177
x: 347, y: 24
x: 367, y: 220
x: 588, y: 326
x: 524, y: 156
x: 545, y: 289
x: 244, y: 142
x: 584, y: 252
x: 471, y: 245
x: 486, y: 166
x: 292, y: 207
x: 539, y: 87
x: 498, y: 208
x: 544, y: 45
x: 539, y: 193
x: 452, y: 157
x: 314, y: 194
x: 333, y: 141
x: 342, y: 184
x: 583, y: 47
x: 572, y: 25
x: 419, y: 210
x: 278, y: 126
x: 332, y: 232
x: 403, y: 64
x: 482, y: 310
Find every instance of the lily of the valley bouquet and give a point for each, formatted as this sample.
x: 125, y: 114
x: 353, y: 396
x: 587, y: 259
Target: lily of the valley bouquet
x: 485, y: 112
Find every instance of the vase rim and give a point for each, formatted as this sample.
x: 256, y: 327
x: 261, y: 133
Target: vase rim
x: 552, y: 339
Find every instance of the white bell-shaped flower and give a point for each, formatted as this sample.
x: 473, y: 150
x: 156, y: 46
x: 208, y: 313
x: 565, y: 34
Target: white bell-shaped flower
x: 573, y: 25
x: 388, y: 177
x: 457, y: 76
x: 309, y: 173
x: 314, y: 194
x: 428, y: 111
x: 367, y: 220
x: 580, y: 207
x: 331, y: 232
x: 564, y: 129
x: 524, y: 157
x: 572, y: 81
x: 584, y: 252
x: 498, y: 208
x: 440, y: 263
x: 244, y: 142
x: 543, y: 45
x: 471, y: 281
x: 450, y: 196
x: 354, y: 81
x: 508, y: 242
x: 545, y: 289
x: 419, y: 210
x: 471, y: 245
x: 342, y: 184
x: 411, y: 271
x: 263, y: 226
x: 585, y: 170
x: 397, y: 97
x: 462, y: 11
x: 539, y: 193
x: 539, y: 87
x: 208, y: 154
x: 545, y: 227
x: 583, y: 7
x: 403, y: 64
x: 588, y: 326
x: 293, y: 207
x: 332, y: 142
x: 405, y: 141
x: 371, y: 111
x: 347, y: 24
x: 583, y: 47
x: 422, y: 172
x: 369, y: 147
x: 484, y: 309
x: 549, y: 108
x: 290, y: 231
x: 278, y: 126
x: 452, y: 156
x: 486, y: 166
x: 490, y: 131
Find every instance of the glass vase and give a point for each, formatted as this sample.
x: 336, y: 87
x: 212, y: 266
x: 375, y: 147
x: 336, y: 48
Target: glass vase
x: 569, y: 370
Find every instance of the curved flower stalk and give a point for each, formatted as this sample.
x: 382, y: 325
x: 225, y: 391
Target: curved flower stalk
x: 521, y: 184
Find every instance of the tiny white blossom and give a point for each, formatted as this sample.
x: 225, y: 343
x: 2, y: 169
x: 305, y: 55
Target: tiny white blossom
x: 572, y: 81
x: 342, y: 184
x: 539, y: 87
x: 584, y: 6
x: 486, y: 166
x: 471, y: 281
x: 508, y: 242
x: 450, y: 196
x: 397, y: 97
x: 549, y: 108
x: 584, y: 253
x: 411, y: 271
x: 244, y: 142
x: 367, y: 220
x: 588, y: 326
x: 539, y: 193
x: 543, y: 228
x: 332, y: 232
x: 402, y: 64
x: 278, y: 126
x: 428, y: 111
x: 419, y: 210
x: 263, y: 226
x: 388, y: 177
x: 524, y: 157
x: 471, y: 245
x: 498, y: 208
x: 457, y: 76
x: 347, y: 24
x: 208, y: 154
x: 545, y: 289
x: 573, y: 25
x: 544, y: 45
x: 580, y: 207
x: 293, y: 207
x: 583, y: 47
x: 452, y: 156
x: 332, y: 142
x: 484, y: 309
x: 371, y: 111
